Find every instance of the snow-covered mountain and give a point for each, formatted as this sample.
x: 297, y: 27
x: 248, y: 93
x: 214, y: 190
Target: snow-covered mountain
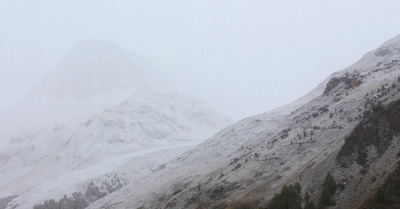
x: 93, y: 76
x: 133, y: 138
x: 120, y: 139
x: 348, y: 126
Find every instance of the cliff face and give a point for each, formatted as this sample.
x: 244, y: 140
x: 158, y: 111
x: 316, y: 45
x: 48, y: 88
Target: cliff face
x: 369, y: 155
x: 377, y: 129
x: 347, y: 126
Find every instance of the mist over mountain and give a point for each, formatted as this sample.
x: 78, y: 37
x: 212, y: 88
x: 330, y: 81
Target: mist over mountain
x: 336, y: 147
x: 128, y: 104
x: 94, y: 75
x: 99, y: 121
x: 92, y: 68
x: 136, y: 144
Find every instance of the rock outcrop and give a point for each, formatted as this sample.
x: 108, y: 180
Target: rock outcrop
x: 346, y: 80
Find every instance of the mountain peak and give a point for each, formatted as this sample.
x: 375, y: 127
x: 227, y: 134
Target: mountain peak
x: 96, y: 55
x: 93, y: 67
x: 94, y: 75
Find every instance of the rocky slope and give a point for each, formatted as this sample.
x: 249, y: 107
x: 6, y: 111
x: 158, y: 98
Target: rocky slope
x: 348, y: 126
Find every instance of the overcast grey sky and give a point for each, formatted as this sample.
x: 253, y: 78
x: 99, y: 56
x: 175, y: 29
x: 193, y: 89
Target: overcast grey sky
x: 242, y: 57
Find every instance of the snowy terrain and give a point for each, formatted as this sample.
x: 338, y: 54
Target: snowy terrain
x: 93, y: 76
x: 251, y: 160
x: 94, y: 131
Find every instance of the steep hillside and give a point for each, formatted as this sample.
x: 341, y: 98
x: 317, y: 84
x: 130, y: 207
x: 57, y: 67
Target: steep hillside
x: 347, y: 126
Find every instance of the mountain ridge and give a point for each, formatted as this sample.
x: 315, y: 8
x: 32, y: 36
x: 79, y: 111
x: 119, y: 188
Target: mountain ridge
x: 251, y: 160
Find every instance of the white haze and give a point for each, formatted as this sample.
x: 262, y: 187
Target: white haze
x: 242, y: 57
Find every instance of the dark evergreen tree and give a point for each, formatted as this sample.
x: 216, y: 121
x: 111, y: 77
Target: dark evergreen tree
x: 328, y: 190
x: 288, y: 198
